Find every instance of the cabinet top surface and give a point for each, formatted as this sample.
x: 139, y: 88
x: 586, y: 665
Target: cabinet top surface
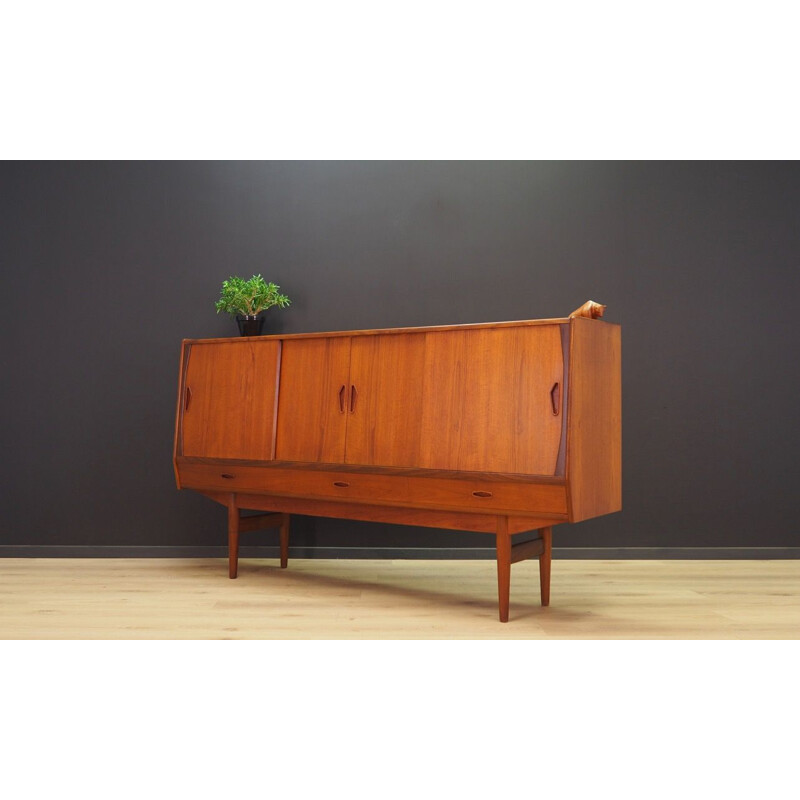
x: 424, y: 329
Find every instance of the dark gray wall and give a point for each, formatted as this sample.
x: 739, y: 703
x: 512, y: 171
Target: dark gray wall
x: 106, y: 266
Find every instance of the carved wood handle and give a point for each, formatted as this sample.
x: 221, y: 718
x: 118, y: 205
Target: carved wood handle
x: 187, y: 398
x: 481, y: 494
x: 341, y: 399
x: 353, y: 398
x: 555, y: 398
x: 341, y: 484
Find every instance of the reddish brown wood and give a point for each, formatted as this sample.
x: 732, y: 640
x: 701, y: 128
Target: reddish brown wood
x: 311, y: 419
x: 544, y: 564
x: 238, y: 524
x: 385, y: 428
x: 497, y: 427
x: 522, y: 323
x: 594, y: 438
x: 525, y: 550
x: 503, y: 567
x: 233, y: 538
x: 481, y: 523
x: 353, y: 395
x: 455, y: 494
x: 260, y: 522
x: 177, y: 443
x: 487, y: 403
x: 229, y: 464
x: 555, y: 398
x: 234, y: 392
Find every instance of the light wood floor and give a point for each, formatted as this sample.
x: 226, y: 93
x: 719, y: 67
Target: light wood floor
x: 404, y: 599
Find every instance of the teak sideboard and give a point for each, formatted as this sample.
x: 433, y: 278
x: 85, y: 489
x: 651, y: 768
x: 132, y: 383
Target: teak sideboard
x: 503, y: 428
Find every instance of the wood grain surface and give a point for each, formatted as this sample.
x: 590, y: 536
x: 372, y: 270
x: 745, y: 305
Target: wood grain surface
x: 229, y: 400
x: 488, y: 400
x: 312, y: 418
x: 594, y: 434
x: 405, y: 599
x: 392, y: 490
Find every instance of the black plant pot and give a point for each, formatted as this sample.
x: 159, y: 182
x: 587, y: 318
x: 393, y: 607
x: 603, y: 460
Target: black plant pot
x: 250, y: 325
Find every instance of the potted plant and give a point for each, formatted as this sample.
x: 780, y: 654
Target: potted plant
x: 247, y: 299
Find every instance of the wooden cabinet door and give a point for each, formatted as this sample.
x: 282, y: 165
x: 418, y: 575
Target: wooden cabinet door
x: 474, y: 400
x: 229, y: 403
x: 313, y: 402
x: 385, y: 413
x: 490, y: 402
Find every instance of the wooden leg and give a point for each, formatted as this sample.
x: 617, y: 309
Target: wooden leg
x: 238, y: 524
x: 544, y: 564
x: 233, y: 539
x: 503, y: 566
x: 285, y: 542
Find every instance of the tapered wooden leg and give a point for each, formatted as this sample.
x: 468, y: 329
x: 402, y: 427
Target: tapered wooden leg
x: 285, y: 542
x: 544, y: 564
x: 503, y: 566
x: 233, y: 539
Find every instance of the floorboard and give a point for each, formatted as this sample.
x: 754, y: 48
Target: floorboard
x: 395, y: 599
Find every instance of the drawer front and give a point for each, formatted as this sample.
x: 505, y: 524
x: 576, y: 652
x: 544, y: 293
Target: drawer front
x: 393, y: 490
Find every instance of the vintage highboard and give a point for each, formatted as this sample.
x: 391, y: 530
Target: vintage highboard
x: 508, y: 428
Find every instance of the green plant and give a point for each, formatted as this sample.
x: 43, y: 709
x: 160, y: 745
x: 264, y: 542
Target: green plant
x: 249, y: 297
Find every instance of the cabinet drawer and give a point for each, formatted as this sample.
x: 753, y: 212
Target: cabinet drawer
x: 458, y: 494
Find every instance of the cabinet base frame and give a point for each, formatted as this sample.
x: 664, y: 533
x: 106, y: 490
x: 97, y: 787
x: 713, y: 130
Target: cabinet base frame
x: 503, y: 527
x: 238, y: 524
x: 508, y: 554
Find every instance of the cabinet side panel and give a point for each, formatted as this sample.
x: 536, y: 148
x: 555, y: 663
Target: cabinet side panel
x: 178, y: 441
x: 594, y: 436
